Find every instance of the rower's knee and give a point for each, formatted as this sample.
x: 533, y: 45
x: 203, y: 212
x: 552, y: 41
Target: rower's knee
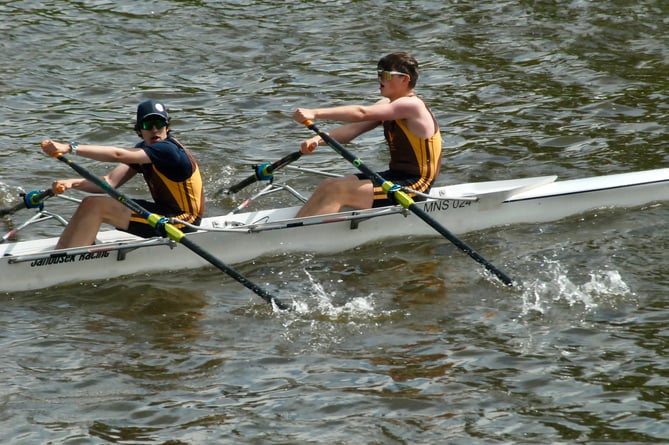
x: 332, y: 186
x: 92, y: 202
x: 101, y: 208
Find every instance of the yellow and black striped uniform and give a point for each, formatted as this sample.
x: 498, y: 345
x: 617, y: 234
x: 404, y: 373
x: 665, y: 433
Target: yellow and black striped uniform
x: 174, y: 179
x: 414, y: 162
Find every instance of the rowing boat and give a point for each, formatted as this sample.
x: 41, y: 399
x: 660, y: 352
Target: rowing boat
x: 244, y: 235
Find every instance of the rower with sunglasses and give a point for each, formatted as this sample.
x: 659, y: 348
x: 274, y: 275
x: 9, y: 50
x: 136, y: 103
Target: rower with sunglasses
x: 409, y: 127
x: 169, y: 169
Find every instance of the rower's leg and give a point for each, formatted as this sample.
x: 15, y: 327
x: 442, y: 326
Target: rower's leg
x: 335, y: 193
x: 89, y: 216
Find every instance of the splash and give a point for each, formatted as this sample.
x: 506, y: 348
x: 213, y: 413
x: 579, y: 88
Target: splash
x: 324, y: 303
x: 322, y: 319
x: 556, y: 286
x: 9, y: 194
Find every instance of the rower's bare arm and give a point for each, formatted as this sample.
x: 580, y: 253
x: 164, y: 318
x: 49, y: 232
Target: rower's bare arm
x: 102, y: 153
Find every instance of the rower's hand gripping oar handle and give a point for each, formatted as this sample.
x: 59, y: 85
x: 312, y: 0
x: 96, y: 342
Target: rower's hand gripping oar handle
x: 406, y: 202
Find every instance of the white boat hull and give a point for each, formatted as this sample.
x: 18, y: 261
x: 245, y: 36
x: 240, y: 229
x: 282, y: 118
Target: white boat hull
x: 33, y: 264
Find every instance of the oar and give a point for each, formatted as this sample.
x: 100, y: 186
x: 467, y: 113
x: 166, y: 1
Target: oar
x: 31, y: 200
x: 172, y: 232
x: 405, y: 201
x: 263, y: 172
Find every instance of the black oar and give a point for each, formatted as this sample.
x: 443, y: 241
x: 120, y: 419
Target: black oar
x: 172, y: 232
x: 263, y: 172
x: 32, y: 200
x: 405, y: 201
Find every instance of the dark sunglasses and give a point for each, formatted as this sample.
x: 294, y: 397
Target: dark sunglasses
x: 150, y: 123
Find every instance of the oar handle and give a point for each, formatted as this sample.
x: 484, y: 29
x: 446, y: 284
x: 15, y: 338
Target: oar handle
x: 263, y: 172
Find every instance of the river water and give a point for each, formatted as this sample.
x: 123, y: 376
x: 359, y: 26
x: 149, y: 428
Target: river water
x: 400, y: 342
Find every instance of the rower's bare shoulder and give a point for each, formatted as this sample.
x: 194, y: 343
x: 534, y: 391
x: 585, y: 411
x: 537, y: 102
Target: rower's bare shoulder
x: 420, y: 122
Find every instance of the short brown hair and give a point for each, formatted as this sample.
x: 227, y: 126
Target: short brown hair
x: 402, y: 62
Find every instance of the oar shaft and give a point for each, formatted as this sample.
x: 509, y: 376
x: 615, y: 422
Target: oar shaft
x: 234, y: 274
x: 504, y: 278
x: 408, y: 203
x: 265, y: 172
x: 10, y: 210
x: 350, y: 157
x: 240, y: 185
x: 173, y: 233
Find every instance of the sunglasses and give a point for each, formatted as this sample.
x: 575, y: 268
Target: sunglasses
x: 387, y: 75
x: 150, y: 123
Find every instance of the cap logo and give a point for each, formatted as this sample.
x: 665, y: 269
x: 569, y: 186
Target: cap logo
x: 160, y: 107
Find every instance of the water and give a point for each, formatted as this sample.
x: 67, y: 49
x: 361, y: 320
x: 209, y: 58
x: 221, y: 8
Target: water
x: 397, y: 342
